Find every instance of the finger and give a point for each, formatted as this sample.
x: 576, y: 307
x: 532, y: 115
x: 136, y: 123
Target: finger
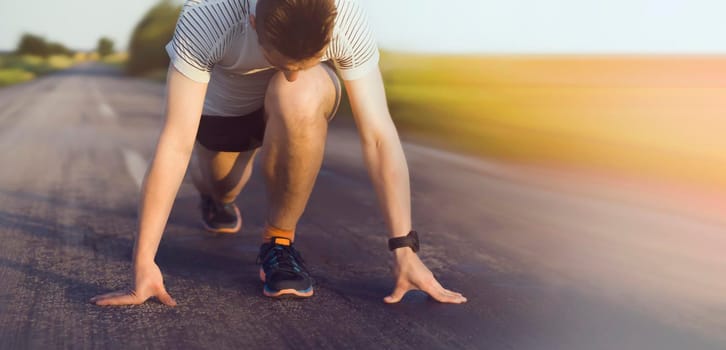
x: 442, y: 295
x: 126, y: 299
x: 107, y: 295
x: 452, y: 293
x: 397, y: 294
x: 166, y: 299
x: 434, y: 283
x: 456, y: 295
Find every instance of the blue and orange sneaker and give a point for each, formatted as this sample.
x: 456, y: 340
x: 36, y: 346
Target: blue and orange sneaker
x: 220, y: 217
x: 282, y: 270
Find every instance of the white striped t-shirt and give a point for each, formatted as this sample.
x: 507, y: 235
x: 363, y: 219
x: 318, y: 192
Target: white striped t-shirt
x: 215, y: 43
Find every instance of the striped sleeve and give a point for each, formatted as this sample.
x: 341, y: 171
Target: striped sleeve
x: 202, y: 34
x: 353, y: 48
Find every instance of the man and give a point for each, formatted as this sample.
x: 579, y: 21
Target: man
x: 260, y: 73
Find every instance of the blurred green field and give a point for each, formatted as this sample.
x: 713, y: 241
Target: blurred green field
x: 17, y: 69
x: 660, y: 117
x: 9, y: 76
x: 118, y: 59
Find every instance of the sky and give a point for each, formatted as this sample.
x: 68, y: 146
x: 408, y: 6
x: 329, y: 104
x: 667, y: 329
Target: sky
x: 446, y: 26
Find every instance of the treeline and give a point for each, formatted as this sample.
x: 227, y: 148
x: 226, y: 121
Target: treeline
x: 36, y: 45
x: 35, y: 56
x: 152, y: 33
x: 146, y: 48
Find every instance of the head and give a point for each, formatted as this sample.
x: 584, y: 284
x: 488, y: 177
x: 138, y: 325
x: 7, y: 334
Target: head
x: 294, y: 33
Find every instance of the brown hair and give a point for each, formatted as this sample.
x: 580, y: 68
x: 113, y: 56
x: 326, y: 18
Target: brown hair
x: 298, y: 29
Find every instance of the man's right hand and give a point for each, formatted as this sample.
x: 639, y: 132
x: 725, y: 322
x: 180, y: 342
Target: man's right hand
x: 148, y: 283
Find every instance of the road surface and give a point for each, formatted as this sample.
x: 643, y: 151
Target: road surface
x: 543, y: 266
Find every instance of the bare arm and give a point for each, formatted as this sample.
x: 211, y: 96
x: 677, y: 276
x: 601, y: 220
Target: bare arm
x: 388, y: 170
x: 185, y: 99
x: 382, y: 151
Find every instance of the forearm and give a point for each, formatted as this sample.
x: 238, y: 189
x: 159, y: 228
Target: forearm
x: 388, y: 170
x: 159, y: 190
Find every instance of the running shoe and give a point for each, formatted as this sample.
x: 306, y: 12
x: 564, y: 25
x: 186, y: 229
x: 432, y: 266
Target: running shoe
x: 282, y: 270
x: 220, y: 217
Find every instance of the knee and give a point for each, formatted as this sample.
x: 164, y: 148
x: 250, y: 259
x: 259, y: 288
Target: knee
x: 300, y: 103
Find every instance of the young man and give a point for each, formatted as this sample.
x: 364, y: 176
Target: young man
x: 260, y: 73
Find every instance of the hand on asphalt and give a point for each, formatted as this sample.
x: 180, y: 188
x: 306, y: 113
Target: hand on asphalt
x: 148, y: 283
x: 412, y: 274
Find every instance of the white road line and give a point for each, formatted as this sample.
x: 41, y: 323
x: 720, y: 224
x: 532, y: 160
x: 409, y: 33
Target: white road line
x: 104, y: 108
x: 106, y: 111
x: 136, y: 165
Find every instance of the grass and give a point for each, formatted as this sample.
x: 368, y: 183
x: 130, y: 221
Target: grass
x: 654, y: 116
x: 116, y: 60
x: 14, y: 76
x: 18, y: 69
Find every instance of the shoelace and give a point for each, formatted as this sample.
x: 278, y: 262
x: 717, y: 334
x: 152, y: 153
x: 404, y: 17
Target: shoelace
x: 284, y: 258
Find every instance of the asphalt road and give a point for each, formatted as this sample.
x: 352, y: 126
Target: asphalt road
x: 543, y: 266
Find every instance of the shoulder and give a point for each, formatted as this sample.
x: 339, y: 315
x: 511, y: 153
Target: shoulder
x: 203, y: 33
x: 225, y: 14
x: 350, y: 13
x: 204, y: 25
x: 353, y: 47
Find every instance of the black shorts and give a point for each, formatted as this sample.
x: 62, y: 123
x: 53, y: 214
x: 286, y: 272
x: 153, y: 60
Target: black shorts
x: 232, y: 134
x: 245, y: 133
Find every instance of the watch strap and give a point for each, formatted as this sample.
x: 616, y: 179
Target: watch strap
x: 410, y: 240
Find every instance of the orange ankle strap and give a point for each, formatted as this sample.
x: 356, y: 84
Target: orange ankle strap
x: 272, y: 232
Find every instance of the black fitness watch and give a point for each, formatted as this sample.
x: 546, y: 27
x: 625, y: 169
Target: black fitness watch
x: 410, y: 240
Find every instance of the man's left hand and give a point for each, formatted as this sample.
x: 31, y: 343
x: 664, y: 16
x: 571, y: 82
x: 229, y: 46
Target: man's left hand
x: 412, y: 274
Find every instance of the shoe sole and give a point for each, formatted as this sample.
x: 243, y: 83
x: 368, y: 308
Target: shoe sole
x: 285, y: 293
x: 231, y: 230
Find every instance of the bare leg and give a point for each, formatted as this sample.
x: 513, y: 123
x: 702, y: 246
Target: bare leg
x: 221, y: 175
x: 294, y: 141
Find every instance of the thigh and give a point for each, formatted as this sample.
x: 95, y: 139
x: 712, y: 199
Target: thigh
x: 220, y: 166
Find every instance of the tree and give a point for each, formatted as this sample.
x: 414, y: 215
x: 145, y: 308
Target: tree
x: 32, y: 45
x: 105, y: 47
x: 58, y: 49
x: 152, y: 33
